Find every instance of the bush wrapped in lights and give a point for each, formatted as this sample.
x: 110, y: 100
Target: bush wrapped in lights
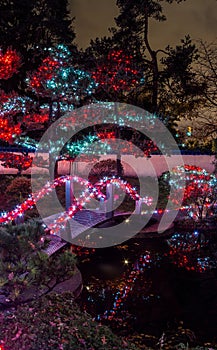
x: 200, y: 189
x: 15, y: 161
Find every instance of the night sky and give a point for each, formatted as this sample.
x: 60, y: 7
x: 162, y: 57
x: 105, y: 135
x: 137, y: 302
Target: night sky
x: 195, y: 17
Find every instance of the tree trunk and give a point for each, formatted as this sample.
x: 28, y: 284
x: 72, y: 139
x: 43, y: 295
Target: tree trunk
x: 118, y: 136
x: 154, y: 65
x: 155, y: 83
x: 214, y: 149
x: 52, y: 167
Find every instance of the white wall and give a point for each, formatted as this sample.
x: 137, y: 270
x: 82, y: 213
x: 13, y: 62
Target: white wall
x: 153, y: 166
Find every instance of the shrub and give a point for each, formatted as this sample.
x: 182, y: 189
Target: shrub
x: 5, y: 180
x: 19, y: 189
x: 106, y: 167
x: 25, y: 269
x: 55, y: 322
x: 164, y: 190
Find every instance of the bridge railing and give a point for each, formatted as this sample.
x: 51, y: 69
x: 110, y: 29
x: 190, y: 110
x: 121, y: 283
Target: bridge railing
x: 105, y: 205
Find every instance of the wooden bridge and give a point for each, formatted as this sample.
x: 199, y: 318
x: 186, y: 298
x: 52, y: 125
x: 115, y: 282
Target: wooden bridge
x: 82, y: 221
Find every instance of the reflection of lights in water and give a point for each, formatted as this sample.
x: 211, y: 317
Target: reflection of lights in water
x: 180, y: 254
x: 144, y: 261
x: 206, y: 263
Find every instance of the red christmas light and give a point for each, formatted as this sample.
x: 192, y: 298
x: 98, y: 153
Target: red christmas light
x: 16, y: 161
x: 118, y: 73
x: 93, y: 191
x: 8, y: 131
x: 45, y: 72
x: 9, y: 63
x: 106, y: 135
x: 30, y: 120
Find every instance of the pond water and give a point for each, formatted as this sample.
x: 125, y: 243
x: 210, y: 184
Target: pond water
x: 145, y: 285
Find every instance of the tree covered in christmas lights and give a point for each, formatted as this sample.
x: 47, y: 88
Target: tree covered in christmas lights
x: 200, y: 189
x: 117, y: 75
x: 56, y: 87
x: 29, y: 26
x: 12, y: 108
x: 59, y: 83
x: 10, y: 62
x: 16, y: 161
x: 131, y: 71
x: 120, y: 78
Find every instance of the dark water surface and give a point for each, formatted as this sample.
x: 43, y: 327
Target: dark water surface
x: 163, y: 293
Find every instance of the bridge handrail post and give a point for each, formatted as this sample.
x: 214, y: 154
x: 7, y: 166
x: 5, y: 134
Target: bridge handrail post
x: 69, y: 192
x: 109, y: 200
x: 102, y: 206
x: 138, y: 208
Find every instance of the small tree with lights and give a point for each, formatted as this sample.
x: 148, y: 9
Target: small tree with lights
x: 200, y: 190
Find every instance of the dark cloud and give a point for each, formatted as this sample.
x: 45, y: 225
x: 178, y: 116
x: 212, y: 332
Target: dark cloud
x: 195, y: 17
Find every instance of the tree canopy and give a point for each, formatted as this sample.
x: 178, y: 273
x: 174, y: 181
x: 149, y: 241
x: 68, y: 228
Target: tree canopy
x: 29, y: 26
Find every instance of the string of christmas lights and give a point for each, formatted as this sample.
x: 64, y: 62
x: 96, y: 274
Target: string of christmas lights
x: 118, y: 73
x: 185, y: 252
x: 144, y: 262
x: 16, y: 161
x: 10, y: 62
x: 200, y: 188
x: 56, y: 78
x: 90, y: 191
